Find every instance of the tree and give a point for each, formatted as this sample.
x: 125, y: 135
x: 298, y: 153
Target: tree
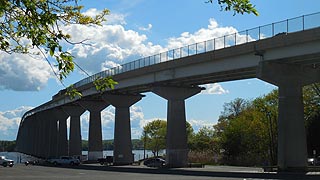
x: 238, y: 6
x: 311, y: 100
x: 154, y: 135
x: 234, y: 108
x: 203, y: 140
x: 40, y: 21
x: 246, y: 130
x: 34, y: 27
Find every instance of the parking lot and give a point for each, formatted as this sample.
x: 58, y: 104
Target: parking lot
x: 97, y: 172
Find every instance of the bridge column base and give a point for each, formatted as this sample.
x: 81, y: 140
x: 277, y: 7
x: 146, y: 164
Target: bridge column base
x: 122, y: 153
x: 292, y: 147
x: 176, y: 145
x: 95, y: 131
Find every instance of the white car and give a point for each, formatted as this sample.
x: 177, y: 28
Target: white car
x: 65, y: 160
x: 6, y: 162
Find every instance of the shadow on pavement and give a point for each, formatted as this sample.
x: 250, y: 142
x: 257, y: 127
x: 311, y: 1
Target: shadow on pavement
x: 193, y: 172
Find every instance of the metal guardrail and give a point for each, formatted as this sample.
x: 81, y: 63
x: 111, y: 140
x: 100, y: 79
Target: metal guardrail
x: 287, y: 26
x: 296, y: 24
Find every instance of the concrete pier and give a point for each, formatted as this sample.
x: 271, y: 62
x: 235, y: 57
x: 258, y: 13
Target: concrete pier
x: 176, y: 145
x: 95, y: 131
x: 290, y: 78
x: 122, y: 134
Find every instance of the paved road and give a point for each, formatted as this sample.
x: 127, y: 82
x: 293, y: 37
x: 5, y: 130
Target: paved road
x: 97, y: 172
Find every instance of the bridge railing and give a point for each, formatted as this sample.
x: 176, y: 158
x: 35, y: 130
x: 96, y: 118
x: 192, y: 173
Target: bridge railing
x: 287, y: 26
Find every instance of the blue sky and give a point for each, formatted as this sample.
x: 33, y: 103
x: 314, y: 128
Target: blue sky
x: 135, y: 29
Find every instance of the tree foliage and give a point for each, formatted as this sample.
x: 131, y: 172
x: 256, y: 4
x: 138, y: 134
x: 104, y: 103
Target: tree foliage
x: 247, y: 132
x: 154, y: 135
x: 203, y: 140
x: 237, y: 6
x: 248, y: 137
x: 311, y: 99
x: 7, y: 146
x: 30, y: 24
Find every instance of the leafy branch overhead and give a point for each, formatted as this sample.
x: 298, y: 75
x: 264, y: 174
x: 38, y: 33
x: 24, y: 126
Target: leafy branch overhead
x: 238, y: 6
x: 105, y: 83
x: 36, y: 24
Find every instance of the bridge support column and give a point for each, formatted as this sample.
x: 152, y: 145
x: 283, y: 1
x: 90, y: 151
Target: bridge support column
x: 176, y: 145
x: 292, y: 147
x: 95, y: 130
x: 75, y: 140
x: 33, y: 135
x: 43, y: 133
x: 53, y: 136
x: 122, y: 152
x: 25, y: 140
x: 37, y: 137
x: 62, y: 141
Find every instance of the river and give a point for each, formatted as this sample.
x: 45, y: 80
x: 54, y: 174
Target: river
x: 19, y: 157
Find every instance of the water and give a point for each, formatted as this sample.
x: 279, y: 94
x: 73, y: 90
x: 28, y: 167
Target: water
x: 19, y: 157
x: 138, y: 154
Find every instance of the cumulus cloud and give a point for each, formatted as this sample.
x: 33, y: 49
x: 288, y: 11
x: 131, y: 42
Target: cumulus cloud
x: 146, y: 28
x: 9, y: 122
x: 214, y: 88
x: 21, y: 72
x: 113, y: 44
x: 212, y: 31
x: 108, y: 43
x: 197, y: 124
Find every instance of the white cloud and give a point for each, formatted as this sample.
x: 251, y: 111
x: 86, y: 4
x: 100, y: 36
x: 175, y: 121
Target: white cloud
x: 114, y: 43
x: 9, y: 122
x: 146, y: 28
x: 203, y: 34
x: 108, y: 43
x: 21, y: 72
x: 214, y: 88
x: 197, y: 124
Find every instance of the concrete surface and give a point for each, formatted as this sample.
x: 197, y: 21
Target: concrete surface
x: 97, y: 172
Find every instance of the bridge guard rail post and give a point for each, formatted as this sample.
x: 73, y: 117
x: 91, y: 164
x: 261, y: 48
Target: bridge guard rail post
x: 290, y: 78
x: 176, y: 145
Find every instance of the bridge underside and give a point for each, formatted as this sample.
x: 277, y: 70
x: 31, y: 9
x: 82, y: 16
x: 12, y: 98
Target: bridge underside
x: 288, y: 61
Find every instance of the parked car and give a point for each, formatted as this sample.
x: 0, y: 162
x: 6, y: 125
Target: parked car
x: 6, y: 162
x: 314, y: 161
x: 65, y: 160
x: 154, y: 162
x: 106, y: 161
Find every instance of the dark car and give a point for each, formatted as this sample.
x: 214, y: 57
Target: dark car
x: 154, y: 162
x: 106, y: 161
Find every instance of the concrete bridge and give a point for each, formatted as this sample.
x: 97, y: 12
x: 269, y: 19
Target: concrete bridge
x: 288, y: 57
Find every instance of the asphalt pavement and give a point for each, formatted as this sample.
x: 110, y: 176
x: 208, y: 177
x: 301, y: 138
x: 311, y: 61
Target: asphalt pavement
x: 98, y: 172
